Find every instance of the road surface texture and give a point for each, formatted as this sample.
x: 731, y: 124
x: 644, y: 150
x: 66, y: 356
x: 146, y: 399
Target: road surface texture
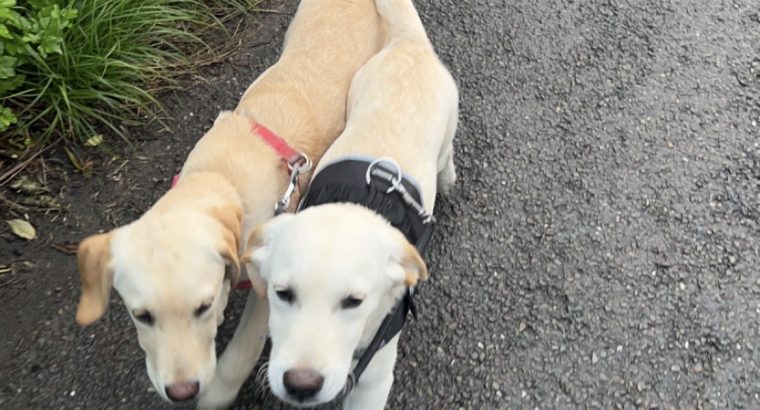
x: 601, y: 248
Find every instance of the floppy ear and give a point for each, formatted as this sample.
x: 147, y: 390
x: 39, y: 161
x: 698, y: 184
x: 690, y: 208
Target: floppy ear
x: 410, y: 261
x: 257, y: 252
x: 230, y: 217
x: 96, y: 275
x: 255, y: 241
x: 415, y: 268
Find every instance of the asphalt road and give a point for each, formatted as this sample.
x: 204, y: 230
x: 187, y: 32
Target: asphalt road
x: 601, y: 248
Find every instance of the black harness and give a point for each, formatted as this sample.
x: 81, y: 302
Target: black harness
x: 381, y: 187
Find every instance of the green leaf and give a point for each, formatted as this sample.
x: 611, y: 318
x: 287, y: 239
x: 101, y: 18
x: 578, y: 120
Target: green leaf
x: 6, y: 118
x: 7, y: 65
x: 38, y: 4
x: 6, y: 13
x: 10, y: 84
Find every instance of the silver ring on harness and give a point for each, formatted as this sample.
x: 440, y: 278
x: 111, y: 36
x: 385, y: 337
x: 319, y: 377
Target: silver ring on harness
x: 375, y: 168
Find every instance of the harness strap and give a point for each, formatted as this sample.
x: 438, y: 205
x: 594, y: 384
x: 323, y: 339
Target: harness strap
x: 389, y: 328
x: 346, y: 181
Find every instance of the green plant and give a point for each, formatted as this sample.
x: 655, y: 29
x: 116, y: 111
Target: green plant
x: 72, y: 67
x: 27, y: 35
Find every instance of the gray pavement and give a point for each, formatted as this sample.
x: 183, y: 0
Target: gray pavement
x: 601, y: 249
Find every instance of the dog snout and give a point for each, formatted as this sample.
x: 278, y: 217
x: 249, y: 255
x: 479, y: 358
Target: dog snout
x: 302, y: 384
x: 182, y: 391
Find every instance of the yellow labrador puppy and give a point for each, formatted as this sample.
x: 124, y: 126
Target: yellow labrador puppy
x: 338, y: 273
x: 173, y: 267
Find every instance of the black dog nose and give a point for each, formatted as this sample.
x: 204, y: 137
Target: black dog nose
x: 302, y: 384
x: 182, y: 391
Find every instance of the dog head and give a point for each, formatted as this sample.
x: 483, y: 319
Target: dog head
x: 331, y: 274
x: 173, y: 269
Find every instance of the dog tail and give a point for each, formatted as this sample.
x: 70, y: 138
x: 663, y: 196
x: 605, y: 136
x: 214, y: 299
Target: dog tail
x: 402, y: 20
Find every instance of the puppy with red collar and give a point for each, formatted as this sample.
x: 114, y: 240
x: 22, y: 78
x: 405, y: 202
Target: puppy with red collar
x: 173, y: 267
x: 339, y: 274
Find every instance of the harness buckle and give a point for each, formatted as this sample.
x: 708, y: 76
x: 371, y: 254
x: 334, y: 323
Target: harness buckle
x: 299, y: 164
x: 395, y: 177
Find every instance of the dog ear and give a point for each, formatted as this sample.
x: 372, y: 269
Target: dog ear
x: 230, y: 217
x: 257, y: 251
x: 96, y: 275
x: 411, y: 263
x: 415, y: 268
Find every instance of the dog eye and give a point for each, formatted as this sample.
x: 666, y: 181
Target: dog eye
x: 350, y: 302
x: 286, y: 295
x: 202, y: 309
x: 144, y: 317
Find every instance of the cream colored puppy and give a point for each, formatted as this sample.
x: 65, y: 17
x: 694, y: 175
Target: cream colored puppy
x: 335, y: 270
x: 173, y: 267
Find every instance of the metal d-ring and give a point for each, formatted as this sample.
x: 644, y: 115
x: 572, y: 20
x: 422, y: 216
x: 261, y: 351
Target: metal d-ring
x: 374, y: 168
x: 397, y: 185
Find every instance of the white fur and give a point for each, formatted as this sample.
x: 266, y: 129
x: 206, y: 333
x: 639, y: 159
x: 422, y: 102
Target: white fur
x: 403, y: 104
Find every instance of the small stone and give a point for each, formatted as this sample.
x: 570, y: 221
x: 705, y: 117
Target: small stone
x: 675, y: 368
x: 521, y: 327
x: 594, y: 358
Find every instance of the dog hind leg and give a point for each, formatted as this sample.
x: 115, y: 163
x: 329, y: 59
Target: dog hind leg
x: 447, y: 174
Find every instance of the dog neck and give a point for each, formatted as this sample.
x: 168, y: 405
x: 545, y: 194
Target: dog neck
x: 201, y: 190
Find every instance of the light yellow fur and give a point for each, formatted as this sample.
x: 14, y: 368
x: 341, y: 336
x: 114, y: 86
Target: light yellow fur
x: 173, y: 258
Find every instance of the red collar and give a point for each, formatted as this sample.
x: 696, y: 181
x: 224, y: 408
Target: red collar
x: 289, y: 155
x: 279, y: 145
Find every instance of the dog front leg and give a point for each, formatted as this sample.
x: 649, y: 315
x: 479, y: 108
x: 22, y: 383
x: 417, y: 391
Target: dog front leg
x: 240, y: 356
x: 374, y: 386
